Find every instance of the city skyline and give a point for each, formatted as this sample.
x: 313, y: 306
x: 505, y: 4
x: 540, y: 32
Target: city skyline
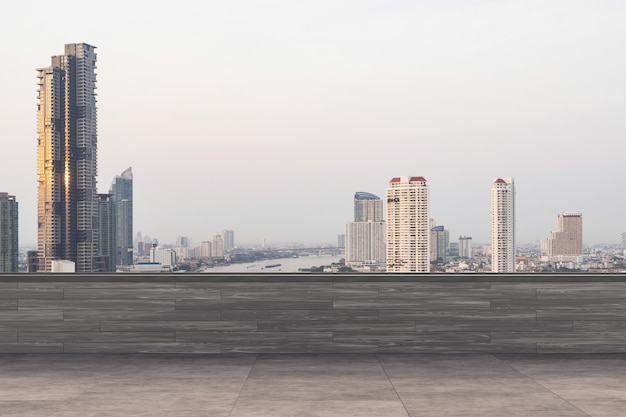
x: 294, y: 96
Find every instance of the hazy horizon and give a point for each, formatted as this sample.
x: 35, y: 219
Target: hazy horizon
x: 266, y: 117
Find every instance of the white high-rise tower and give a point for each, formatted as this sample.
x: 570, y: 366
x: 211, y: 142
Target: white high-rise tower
x: 503, y: 225
x: 408, y: 230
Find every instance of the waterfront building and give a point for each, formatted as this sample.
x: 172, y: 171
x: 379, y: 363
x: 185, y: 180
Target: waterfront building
x: 205, y: 249
x: 365, y: 244
x: 122, y: 195
x: 367, y: 207
x: 503, y: 225
x: 365, y: 237
x: 9, y: 252
x: 439, y: 244
x: 567, y: 240
x: 107, y: 230
x: 465, y: 247
x: 229, y: 240
x: 408, y: 232
x: 67, y: 159
x: 217, y: 246
x: 341, y: 241
x: 165, y: 256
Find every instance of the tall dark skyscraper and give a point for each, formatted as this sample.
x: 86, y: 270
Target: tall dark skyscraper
x: 8, y: 233
x: 105, y: 261
x: 122, y: 196
x: 67, y: 159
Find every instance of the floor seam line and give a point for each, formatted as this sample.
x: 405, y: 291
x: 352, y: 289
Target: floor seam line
x: 256, y: 358
x: 546, y: 388
x: 392, y: 386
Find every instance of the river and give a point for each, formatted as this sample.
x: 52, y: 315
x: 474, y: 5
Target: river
x: 286, y: 264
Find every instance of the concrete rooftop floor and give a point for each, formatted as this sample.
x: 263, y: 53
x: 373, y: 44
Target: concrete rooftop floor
x: 277, y: 385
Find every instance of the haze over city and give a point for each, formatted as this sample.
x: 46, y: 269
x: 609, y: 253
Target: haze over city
x: 267, y: 117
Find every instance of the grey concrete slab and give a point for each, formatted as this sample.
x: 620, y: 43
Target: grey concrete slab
x: 188, y: 366
x: 401, y: 385
x: 320, y: 408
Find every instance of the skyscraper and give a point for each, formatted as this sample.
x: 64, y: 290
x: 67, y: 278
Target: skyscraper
x: 439, y: 244
x: 67, y: 159
x: 408, y: 231
x: 229, y: 240
x: 8, y: 233
x: 367, y: 207
x: 107, y: 215
x: 465, y: 247
x: 568, y: 238
x: 122, y: 196
x: 217, y: 246
x: 365, y: 236
x: 503, y: 225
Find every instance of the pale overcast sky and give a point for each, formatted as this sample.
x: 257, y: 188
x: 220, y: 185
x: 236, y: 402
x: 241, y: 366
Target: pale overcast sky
x: 266, y: 117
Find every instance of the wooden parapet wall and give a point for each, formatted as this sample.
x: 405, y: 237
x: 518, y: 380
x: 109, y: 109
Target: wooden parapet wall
x: 355, y: 313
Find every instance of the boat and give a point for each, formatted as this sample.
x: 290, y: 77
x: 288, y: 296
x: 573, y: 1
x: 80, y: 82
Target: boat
x: 272, y: 265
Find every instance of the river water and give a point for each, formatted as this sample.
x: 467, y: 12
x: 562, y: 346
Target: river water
x: 286, y: 265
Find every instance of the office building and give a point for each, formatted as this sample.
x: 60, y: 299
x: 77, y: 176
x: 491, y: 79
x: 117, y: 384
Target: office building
x: 67, y: 159
x: 9, y: 252
x: 503, y: 225
x: 465, y: 247
x: 122, y: 195
x: 229, y: 240
x: 439, y: 244
x: 408, y: 232
x: 567, y: 240
x: 367, y: 207
x: 107, y: 229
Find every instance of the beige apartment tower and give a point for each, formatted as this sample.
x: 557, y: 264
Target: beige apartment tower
x: 567, y: 240
x: 408, y: 228
x: 67, y: 217
x: 503, y: 225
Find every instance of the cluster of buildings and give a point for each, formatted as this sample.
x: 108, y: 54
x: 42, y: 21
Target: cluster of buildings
x: 78, y: 229
x: 409, y: 241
